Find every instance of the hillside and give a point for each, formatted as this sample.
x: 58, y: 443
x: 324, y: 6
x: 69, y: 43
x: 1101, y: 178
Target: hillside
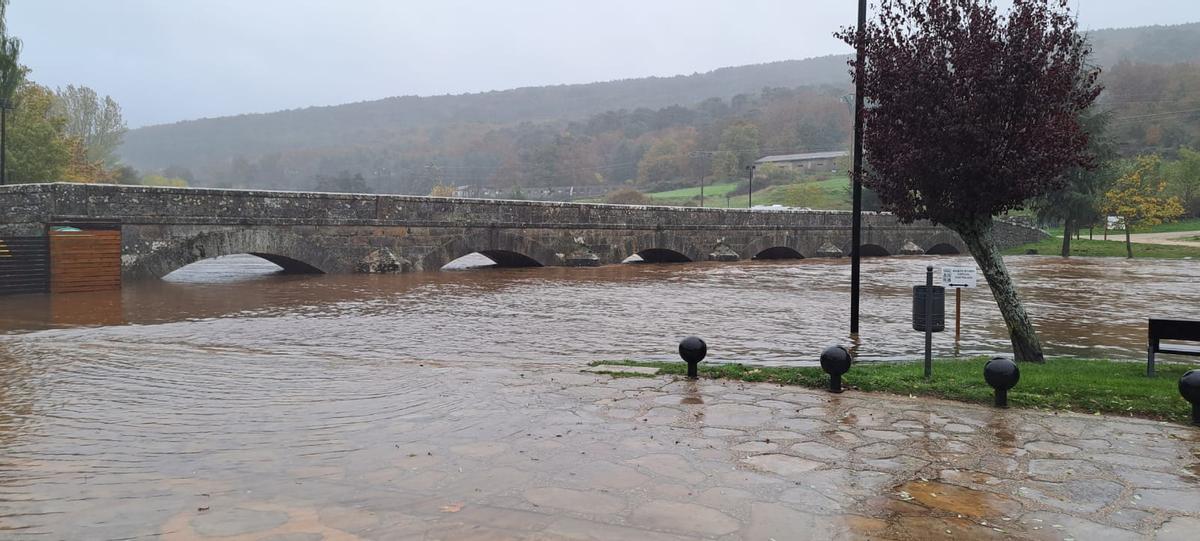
x: 646, y: 131
x: 193, y: 143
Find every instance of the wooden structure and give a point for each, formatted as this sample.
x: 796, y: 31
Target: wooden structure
x: 85, y: 260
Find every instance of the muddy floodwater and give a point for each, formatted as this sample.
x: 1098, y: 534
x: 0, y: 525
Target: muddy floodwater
x: 778, y: 313
x: 229, y: 402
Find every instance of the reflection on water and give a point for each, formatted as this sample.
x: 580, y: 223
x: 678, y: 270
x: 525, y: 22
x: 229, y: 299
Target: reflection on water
x: 757, y: 312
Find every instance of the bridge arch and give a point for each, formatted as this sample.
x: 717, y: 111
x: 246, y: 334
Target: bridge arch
x: 944, y: 242
x: 873, y: 250
x: 779, y: 252
x: 506, y: 249
x: 295, y: 254
x: 663, y: 247
x: 943, y: 248
x: 662, y: 255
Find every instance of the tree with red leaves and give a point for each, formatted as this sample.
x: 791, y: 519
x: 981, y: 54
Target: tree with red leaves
x: 972, y: 113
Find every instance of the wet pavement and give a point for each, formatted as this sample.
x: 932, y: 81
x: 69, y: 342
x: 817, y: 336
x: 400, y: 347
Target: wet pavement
x: 546, y: 451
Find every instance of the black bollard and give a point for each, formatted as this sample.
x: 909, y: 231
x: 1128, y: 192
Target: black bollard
x: 835, y: 361
x: 692, y: 350
x: 1189, y: 387
x: 1002, y: 374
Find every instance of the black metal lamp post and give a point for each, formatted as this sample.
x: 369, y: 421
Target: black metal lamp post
x: 692, y: 350
x: 1002, y: 374
x: 835, y: 361
x: 1189, y: 387
x: 856, y: 180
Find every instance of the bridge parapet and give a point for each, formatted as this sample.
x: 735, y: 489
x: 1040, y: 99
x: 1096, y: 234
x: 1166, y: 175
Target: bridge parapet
x: 165, y: 228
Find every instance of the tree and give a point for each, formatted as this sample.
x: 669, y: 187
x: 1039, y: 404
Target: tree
x: 96, y: 122
x: 1183, y: 180
x: 627, y: 196
x: 663, y: 161
x: 12, y: 75
x: 39, y: 150
x: 741, y: 139
x: 161, y: 180
x: 1079, y: 202
x: 81, y: 168
x: 442, y: 190
x: 1139, y: 196
x: 972, y: 114
x: 126, y: 175
x: 724, y: 165
x: 179, y: 171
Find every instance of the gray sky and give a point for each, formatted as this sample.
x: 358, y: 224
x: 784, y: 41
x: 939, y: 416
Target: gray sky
x: 169, y: 60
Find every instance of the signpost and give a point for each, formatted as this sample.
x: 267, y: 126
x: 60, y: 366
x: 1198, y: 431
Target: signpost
x: 1113, y: 223
x: 958, y: 278
x: 929, y: 314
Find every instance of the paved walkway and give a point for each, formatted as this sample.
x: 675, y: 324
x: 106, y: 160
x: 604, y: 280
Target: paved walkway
x: 559, y: 454
x: 1178, y: 238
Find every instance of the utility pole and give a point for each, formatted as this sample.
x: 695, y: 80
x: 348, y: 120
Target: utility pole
x: 856, y: 217
x: 750, y: 193
x: 3, y: 142
x: 693, y: 155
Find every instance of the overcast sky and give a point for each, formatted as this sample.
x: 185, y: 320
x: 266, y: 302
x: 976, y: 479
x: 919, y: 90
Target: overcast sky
x: 169, y: 60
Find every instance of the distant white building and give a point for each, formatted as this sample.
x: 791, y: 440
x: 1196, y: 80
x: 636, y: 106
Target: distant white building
x: 811, y: 161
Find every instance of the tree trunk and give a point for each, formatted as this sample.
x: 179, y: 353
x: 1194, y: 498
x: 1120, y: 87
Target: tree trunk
x: 979, y: 240
x: 1066, y: 247
x: 1128, y: 243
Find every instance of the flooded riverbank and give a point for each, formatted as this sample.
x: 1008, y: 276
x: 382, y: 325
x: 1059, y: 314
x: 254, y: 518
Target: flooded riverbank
x: 230, y: 401
x: 756, y: 312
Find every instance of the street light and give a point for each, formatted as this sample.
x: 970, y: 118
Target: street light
x: 856, y: 216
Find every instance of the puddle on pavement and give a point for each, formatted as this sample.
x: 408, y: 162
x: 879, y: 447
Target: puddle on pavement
x: 935, y: 510
x: 958, y: 500
x: 999, y: 426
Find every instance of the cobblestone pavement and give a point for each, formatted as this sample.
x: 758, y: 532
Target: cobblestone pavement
x: 554, y: 453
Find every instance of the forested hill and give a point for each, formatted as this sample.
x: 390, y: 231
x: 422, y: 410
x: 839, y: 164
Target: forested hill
x: 197, y: 142
x: 650, y: 130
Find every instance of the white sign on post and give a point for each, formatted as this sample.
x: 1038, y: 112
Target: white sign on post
x: 958, y: 277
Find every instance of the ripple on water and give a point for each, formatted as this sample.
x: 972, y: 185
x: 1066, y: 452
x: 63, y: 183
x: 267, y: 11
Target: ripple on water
x: 221, y: 379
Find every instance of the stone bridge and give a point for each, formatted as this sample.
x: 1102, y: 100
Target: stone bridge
x: 163, y: 229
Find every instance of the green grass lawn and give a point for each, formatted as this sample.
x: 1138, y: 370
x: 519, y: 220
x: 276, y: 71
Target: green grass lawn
x: 1191, y: 224
x: 1084, y: 386
x: 1107, y: 248
x: 830, y: 194
x: 713, y: 190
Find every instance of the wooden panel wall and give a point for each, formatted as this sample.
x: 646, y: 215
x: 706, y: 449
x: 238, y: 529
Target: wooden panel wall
x: 24, y: 265
x: 87, y: 260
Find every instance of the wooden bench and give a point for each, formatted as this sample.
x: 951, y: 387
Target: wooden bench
x: 1171, y: 329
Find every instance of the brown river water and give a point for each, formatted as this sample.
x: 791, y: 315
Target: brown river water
x: 127, y: 395
x: 779, y: 313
